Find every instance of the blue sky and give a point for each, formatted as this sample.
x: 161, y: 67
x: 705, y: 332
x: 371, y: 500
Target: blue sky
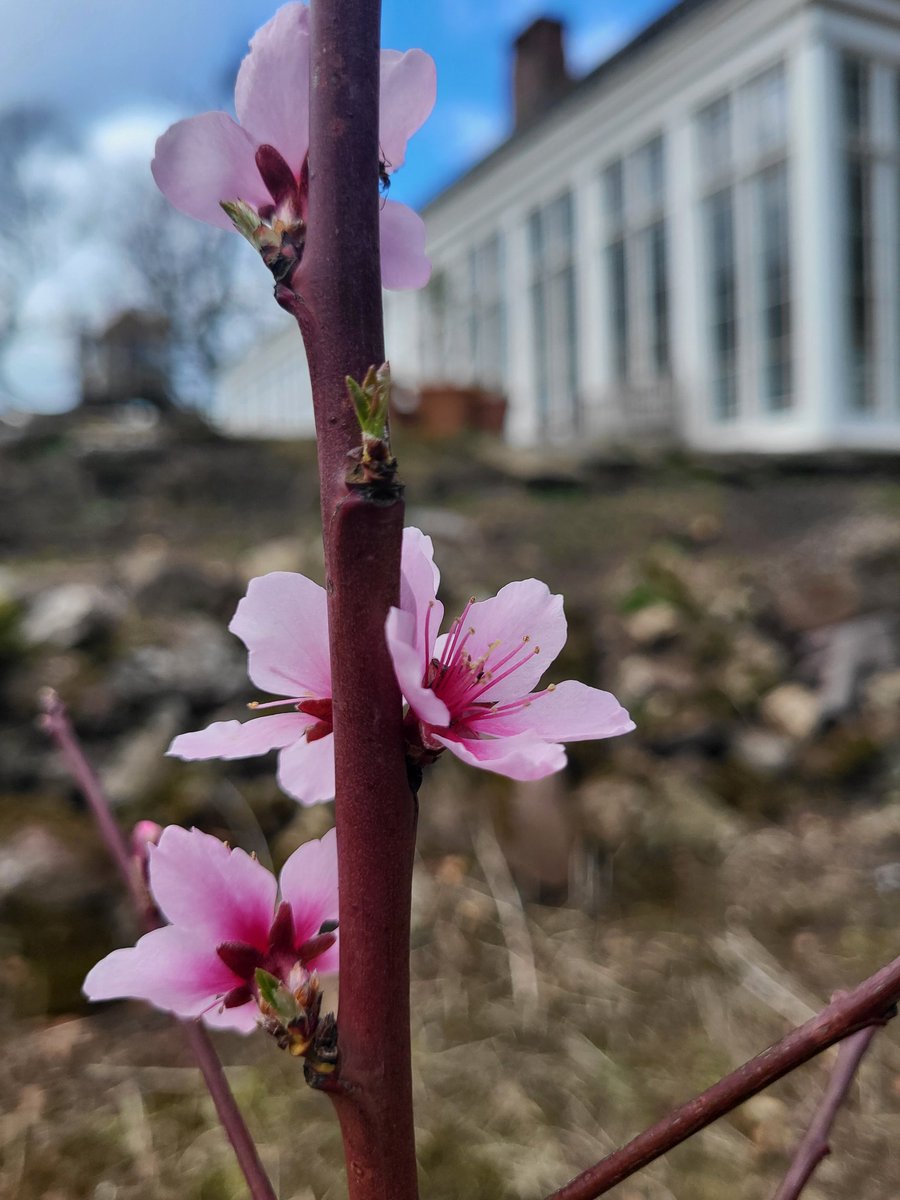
x: 160, y: 59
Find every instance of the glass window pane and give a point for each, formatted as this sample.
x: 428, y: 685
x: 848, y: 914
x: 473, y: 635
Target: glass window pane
x: 774, y: 286
x: 617, y: 285
x: 855, y: 96
x: 722, y: 302
x: 766, y: 113
x: 614, y: 194
x: 714, y: 138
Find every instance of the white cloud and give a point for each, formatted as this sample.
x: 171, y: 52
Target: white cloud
x: 471, y: 129
x: 130, y: 134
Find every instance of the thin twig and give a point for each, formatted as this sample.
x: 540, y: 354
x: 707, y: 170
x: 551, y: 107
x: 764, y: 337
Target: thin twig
x: 872, y: 1002
x: 814, y: 1145
x: 55, y: 722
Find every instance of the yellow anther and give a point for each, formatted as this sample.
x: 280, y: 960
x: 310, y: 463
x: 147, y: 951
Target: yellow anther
x: 551, y: 687
x: 527, y: 637
x: 253, y: 704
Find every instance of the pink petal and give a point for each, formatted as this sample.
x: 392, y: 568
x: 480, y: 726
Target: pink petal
x: 408, y: 90
x: 309, y: 883
x: 419, y: 580
x: 170, y: 967
x: 241, y: 739
x: 203, y: 886
x: 572, y: 712
x: 404, y: 263
x: 283, y: 622
x: 243, y: 1019
x: 271, y: 95
x: 519, y: 610
x: 409, y: 666
x: 306, y: 770
x: 523, y: 756
x: 206, y: 159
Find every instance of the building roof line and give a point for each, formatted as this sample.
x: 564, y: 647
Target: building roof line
x: 660, y: 26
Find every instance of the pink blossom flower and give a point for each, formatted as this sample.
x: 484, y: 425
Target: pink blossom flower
x: 471, y: 690
x: 224, y: 924
x: 260, y: 159
x: 283, y: 622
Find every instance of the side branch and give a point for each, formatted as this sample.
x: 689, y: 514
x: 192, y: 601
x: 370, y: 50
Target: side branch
x: 814, y: 1145
x: 872, y: 1002
x: 55, y: 722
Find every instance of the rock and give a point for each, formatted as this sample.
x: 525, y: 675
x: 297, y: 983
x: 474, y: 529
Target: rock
x: 809, y: 600
x: 201, y: 661
x: 792, y: 709
x: 46, y: 868
x: 279, y: 554
x: 754, y: 664
x: 611, y: 809
x: 762, y: 751
x: 653, y: 624
x: 139, y: 762
x: 444, y: 524
x: 179, y: 587
x: 843, y: 654
x: 882, y: 692
x: 639, y: 677
x: 71, y: 614
x: 144, y: 561
x: 539, y: 833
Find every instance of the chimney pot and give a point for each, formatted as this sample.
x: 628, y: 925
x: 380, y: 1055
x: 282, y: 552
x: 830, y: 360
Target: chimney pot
x: 539, y: 69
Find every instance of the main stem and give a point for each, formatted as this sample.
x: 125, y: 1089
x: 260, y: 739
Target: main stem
x: 375, y: 811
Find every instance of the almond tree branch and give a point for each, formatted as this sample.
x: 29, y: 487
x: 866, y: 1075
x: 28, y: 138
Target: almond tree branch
x: 872, y: 1002
x: 338, y: 305
x: 814, y: 1145
x: 55, y: 722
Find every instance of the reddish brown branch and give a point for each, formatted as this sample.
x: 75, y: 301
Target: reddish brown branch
x: 341, y: 320
x: 871, y: 1003
x: 56, y: 723
x: 814, y: 1145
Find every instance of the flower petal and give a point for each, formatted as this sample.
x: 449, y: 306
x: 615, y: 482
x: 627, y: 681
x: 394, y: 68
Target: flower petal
x: 410, y: 665
x: 404, y: 263
x: 205, y: 887
x: 241, y: 739
x: 271, y: 95
x: 243, y: 1019
x: 419, y: 580
x: 306, y: 770
x: 522, y: 609
x: 408, y: 91
x: 572, y: 712
x: 523, y: 756
x: 283, y: 622
x: 309, y: 883
x: 206, y: 159
x: 170, y: 967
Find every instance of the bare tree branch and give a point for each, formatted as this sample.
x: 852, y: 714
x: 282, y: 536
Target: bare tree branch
x: 814, y: 1145
x: 872, y: 1002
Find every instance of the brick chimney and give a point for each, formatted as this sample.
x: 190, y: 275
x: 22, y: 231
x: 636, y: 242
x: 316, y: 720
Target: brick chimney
x: 539, y: 69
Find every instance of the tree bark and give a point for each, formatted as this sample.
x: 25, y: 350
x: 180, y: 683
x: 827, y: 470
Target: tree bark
x: 375, y: 811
